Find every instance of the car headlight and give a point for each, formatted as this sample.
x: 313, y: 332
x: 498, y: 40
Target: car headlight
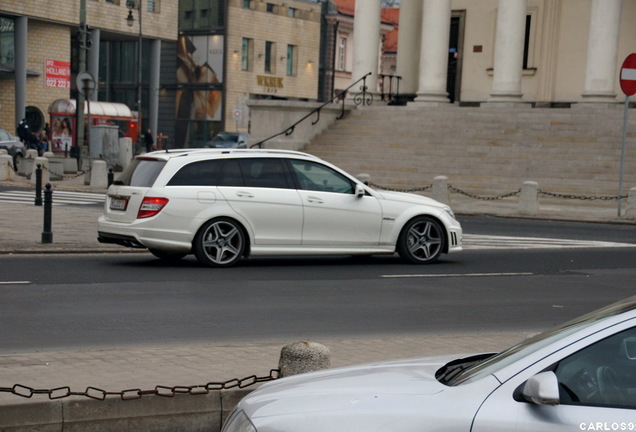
x: 449, y: 211
x: 238, y: 422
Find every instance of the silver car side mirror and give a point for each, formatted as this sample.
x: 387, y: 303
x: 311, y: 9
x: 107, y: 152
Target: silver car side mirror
x: 542, y: 389
x: 360, y: 191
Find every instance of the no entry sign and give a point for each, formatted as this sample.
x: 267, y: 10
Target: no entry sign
x: 628, y: 75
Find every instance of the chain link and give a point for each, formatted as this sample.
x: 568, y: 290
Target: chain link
x: 136, y: 393
x: 485, y: 198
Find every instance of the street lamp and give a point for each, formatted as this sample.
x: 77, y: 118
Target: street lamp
x: 130, y: 20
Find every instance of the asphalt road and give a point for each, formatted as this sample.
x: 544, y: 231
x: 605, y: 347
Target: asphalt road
x: 62, y: 302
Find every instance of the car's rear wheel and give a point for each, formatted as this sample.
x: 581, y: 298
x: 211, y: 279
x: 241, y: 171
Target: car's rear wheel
x: 421, y: 240
x: 166, y: 256
x: 220, y: 243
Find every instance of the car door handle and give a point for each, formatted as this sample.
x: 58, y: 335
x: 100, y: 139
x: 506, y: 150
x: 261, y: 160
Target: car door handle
x: 241, y: 194
x: 315, y: 200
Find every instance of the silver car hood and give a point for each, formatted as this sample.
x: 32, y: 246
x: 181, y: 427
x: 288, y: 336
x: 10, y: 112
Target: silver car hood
x: 335, y: 393
x: 408, y: 198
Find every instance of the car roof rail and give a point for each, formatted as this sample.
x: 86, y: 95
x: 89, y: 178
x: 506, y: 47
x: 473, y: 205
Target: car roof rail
x: 184, y: 151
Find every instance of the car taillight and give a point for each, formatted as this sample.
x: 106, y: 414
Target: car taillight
x: 151, y: 206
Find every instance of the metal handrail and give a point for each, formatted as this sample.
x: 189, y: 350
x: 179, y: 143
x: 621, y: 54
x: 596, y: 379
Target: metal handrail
x: 290, y: 130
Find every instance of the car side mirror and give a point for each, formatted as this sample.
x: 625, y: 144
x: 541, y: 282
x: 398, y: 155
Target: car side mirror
x: 542, y: 389
x: 360, y: 191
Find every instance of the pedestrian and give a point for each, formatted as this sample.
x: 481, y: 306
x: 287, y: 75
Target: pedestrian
x: 23, y: 131
x: 149, y: 141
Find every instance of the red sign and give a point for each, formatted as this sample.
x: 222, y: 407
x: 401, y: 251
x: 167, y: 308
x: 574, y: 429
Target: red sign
x: 57, y: 74
x: 628, y: 75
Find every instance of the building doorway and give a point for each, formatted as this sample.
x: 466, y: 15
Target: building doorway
x: 455, y: 53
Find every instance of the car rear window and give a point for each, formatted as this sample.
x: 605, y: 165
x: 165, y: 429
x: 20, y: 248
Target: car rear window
x: 216, y: 172
x: 141, y: 172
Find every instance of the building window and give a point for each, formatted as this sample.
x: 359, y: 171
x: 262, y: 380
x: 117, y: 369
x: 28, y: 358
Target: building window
x: 246, y: 4
x: 152, y: 6
x: 247, y: 54
x: 342, y: 54
x: 270, y: 7
x: 291, y: 12
x: 270, y: 55
x: 292, y: 60
x: 199, y: 15
x: 7, y: 35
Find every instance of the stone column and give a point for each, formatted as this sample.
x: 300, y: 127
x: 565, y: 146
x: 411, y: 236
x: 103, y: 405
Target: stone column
x: 434, y: 52
x: 93, y: 60
x: 155, y: 66
x: 511, y: 24
x: 602, y: 51
x: 409, y: 45
x: 20, y: 46
x: 366, y: 41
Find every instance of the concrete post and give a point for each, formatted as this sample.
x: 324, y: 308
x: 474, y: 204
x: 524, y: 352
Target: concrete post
x: 99, y: 175
x: 440, y: 189
x: 434, y: 52
x: 602, y: 51
x: 302, y: 357
x: 6, y: 167
x: 630, y: 212
x: 529, y: 199
x: 20, y: 65
x: 506, y: 83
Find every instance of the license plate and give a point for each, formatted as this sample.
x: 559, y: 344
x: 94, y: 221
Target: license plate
x: 118, y: 203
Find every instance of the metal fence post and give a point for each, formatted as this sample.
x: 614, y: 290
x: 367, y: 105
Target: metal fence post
x: 47, y: 235
x: 38, y: 185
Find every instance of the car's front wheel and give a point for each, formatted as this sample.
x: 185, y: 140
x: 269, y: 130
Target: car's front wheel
x: 421, y: 240
x: 220, y: 243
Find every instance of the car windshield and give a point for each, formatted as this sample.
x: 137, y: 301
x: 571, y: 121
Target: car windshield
x: 225, y: 137
x: 492, y: 364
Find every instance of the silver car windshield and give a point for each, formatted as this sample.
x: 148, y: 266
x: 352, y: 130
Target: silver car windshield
x: 531, y: 345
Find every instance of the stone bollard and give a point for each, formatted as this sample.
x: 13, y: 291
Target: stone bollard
x: 44, y: 164
x: 529, y: 199
x: 440, y: 190
x: 302, y: 357
x: 630, y: 211
x: 99, y: 175
x: 28, y: 165
x: 6, y: 167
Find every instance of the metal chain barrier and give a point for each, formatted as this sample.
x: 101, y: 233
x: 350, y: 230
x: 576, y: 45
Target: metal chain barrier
x: 486, y: 198
x: 132, y: 394
x: 583, y: 197
x: 386, y: 188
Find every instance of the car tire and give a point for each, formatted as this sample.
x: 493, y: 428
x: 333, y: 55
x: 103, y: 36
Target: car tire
x: 167, y: 256
x: 421, y: 241
x: 220, y: 242
x: 17, y: 161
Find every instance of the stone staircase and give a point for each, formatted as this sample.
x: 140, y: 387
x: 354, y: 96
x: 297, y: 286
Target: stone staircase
x: 485, y: 150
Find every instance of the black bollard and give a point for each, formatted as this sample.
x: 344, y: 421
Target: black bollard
x: 47, y: 235
x: 38, y: 185
x: 111, y: 176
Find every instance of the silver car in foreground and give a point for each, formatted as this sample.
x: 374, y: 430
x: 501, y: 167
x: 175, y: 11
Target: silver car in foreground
x: 580, y: 376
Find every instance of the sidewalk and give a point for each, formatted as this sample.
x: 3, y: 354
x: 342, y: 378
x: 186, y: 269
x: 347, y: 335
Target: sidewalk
x: 74, y: 230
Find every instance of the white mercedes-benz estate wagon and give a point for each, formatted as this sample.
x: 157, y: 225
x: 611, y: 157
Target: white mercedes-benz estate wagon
x: 223, y: 205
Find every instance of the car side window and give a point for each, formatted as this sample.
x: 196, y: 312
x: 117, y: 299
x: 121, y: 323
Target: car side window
x: 602, y: 374
x: 4, y: 136
x: 318, y: 177
x: 265, y: 173
x: 216, y: 172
